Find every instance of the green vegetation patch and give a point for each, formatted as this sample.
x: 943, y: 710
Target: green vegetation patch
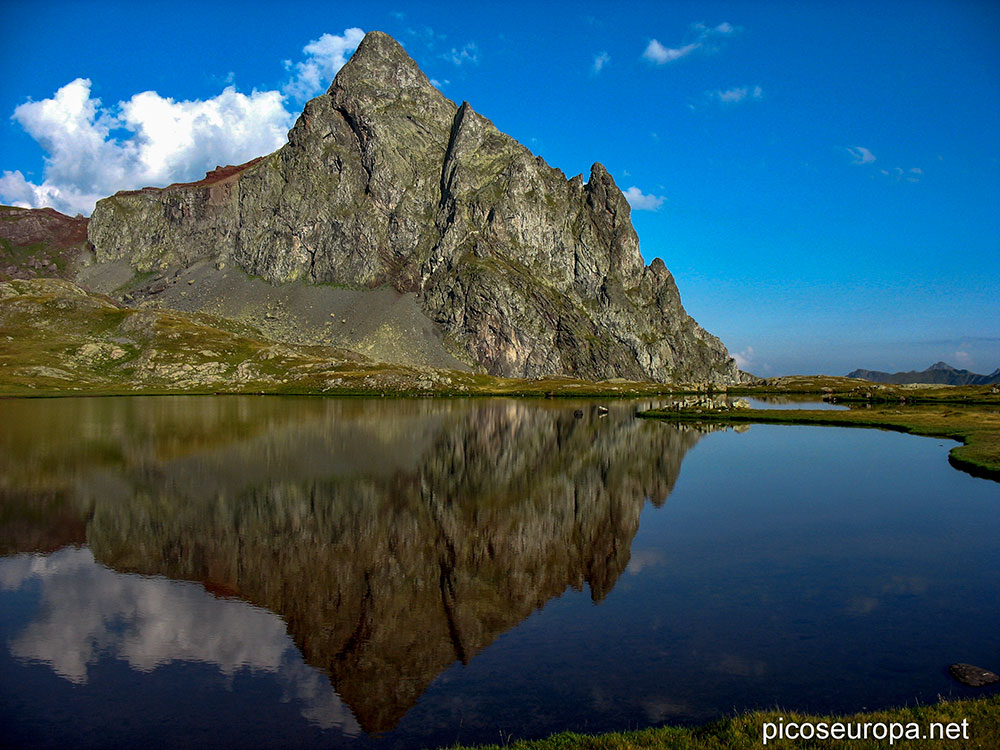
x: 981, y: 729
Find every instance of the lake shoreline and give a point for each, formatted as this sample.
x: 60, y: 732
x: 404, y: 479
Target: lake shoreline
x: 976, y: 429
x: 832, y: 389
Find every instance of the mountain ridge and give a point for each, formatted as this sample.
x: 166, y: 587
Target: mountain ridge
x: 386, y: 182
x: 940, y: 373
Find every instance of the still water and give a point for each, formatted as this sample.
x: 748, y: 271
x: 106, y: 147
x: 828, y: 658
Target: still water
x: 240, y: 571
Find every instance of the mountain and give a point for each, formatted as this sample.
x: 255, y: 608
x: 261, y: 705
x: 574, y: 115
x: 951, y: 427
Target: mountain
x: 483, y: 255
x: 939, y: 373
x: 40, y: 243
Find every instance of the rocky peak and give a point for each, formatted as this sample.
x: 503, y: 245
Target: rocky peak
x: 386, y: 182
x: 380, y: 64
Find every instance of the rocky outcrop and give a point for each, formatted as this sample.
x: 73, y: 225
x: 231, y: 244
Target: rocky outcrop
x: 41, y: 243
x: 384, y: 181
x: 973, y: 676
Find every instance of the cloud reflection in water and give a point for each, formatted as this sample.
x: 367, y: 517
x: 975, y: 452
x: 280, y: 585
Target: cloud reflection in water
x: 87, y: 610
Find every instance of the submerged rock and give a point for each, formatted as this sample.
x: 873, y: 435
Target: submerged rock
x: 973, y: 676
x: 385, y: 182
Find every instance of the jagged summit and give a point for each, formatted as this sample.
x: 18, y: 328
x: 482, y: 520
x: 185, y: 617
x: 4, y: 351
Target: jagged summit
x: 381, y: 61
x: 386, y: 182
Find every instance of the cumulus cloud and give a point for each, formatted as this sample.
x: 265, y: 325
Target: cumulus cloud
x: 93, y: 150
x: 324, y: 57
x: 168, y: 141
x: 600, y: 61
x: 639, y: 201
x: 736, y: 95
x: 744, y: 358
x: 87, y: 613
x: 860, y: 155
x: 706, y: 40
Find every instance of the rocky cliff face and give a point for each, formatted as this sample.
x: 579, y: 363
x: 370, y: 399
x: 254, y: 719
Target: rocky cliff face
x: 384, y: 181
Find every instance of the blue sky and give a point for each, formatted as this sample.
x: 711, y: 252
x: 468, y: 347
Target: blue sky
x: 823, y: 179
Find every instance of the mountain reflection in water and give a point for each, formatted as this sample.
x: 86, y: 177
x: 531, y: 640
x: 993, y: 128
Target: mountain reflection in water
x: 390, y: 538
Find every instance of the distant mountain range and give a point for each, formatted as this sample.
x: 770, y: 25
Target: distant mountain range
x: 940, y: 373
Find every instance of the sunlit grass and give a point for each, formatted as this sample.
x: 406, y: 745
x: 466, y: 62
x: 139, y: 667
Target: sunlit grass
x: 746, y: 731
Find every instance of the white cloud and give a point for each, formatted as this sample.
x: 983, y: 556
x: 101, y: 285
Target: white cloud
x: 744, y: 358
x: 467, y: 54
x: 644, y: 558
x: 642, y: 202
x: 94, y: 150
x: 600, y: 61
x: 898, y: 174
x: 731, y: 95
x: 706, y: 40
x: 324, y: 57
x: 963, y: 358
x: 861, y: 155
x: 660, y: 54
x: 168, y: 141
x: 736, y: 95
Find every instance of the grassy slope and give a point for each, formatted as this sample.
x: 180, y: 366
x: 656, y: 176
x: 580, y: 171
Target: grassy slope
x: 745, y: 731
x: 56, y: 339
x: 46, y: 326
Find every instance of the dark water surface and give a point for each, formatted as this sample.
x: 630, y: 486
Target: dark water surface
x: 240, y: 571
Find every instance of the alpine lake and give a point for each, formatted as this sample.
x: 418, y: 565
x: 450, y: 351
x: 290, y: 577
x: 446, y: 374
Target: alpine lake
x: 382, y: 573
